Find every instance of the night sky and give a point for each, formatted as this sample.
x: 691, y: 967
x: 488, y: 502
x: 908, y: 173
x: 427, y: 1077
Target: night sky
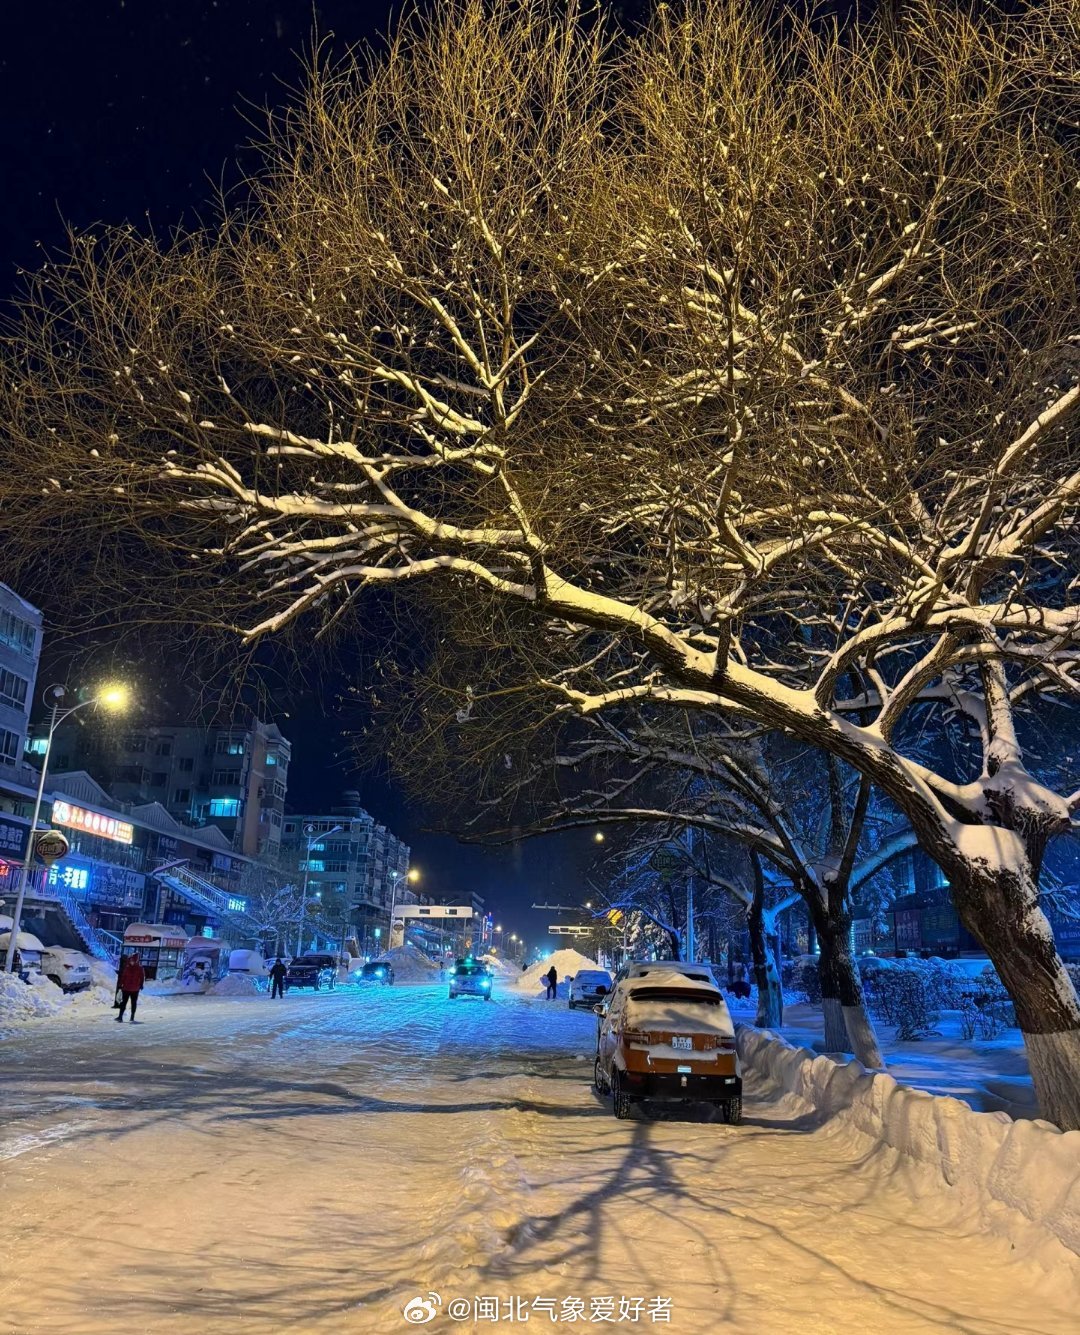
x: 134, y: 110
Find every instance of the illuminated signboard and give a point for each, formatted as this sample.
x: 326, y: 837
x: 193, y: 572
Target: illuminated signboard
x: 105, y: 827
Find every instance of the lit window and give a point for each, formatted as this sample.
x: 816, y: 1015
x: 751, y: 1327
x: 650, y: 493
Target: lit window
x: 36, y: 746
x: 224, y: 806
x: 271, y: 759
x: 313, y: 864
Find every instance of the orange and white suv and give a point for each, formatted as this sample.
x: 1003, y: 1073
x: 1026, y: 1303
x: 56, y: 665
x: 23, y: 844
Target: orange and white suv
x: 667, y: 1037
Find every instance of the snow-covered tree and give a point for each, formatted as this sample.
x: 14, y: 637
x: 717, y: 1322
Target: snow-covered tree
x: 746, y: 347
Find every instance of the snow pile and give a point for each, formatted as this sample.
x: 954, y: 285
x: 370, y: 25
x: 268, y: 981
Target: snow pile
x: 411, y: 965
x: 1014, y: 1173
x: 505, y: 969
x: 565, y: 963
x: 238, y: 985
x: 28, y: 1001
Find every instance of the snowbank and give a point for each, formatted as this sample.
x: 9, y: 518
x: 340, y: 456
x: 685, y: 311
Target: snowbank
x: 238, y: 985
x: 40, y: 999
x: 1016, y: 1174
x: 28, y: 1001
x: 565, y: 962
x: 411, y: 965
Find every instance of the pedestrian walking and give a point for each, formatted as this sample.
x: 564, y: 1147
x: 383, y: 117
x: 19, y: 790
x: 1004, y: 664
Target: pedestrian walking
x: 277, y: 974
x: 132, y: 979
x: 552, y: 977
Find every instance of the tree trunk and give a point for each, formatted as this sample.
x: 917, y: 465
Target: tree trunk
x: 1000, y: 908
x: 848, y: 1026
x: 836, y: 1038
x: 770, y: 1005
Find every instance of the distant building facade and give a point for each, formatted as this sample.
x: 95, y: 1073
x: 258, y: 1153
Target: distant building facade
x: 357, y: 864
x: 20, y: 652
x: 232, y: 778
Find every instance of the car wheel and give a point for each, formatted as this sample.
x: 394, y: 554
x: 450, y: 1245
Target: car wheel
x: 599, y: 1083
x: 53, y: 979
x: 622, y: 1104
x: 731, y: 1111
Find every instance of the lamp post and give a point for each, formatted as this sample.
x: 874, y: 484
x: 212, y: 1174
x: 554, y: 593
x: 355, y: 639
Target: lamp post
x: 313, y: 839
x: 412, y: 876
x: 111, y: 697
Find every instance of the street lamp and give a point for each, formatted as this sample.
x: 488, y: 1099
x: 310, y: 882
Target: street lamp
x: 598, y: 837
x: 313, y: 839
x: 412, y: 877
x: 113, y: 696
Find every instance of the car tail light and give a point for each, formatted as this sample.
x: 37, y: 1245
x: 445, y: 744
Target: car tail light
x: 636, y: 1036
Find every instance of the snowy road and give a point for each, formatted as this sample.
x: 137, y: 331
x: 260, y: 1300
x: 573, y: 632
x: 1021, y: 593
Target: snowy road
x: 313, y: 1164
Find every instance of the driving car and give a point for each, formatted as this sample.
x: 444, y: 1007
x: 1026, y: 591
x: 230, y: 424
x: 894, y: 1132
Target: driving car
x: 588, y: 986
x: 667, y: 1037
x: 68, y: 969
x: 470, y: 979
x: 377, y: 971
x: 312, y: 970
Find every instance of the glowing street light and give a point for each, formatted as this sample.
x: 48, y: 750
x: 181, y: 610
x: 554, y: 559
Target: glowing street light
x: 412, y: 876
x: 111, y: 695
x: 598, y: 837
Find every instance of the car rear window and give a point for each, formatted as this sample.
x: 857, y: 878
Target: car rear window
x: 469, y: 970
x: 659, y: 1009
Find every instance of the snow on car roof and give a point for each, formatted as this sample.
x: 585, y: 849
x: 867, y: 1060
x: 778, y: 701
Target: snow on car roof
x: 669, y: 980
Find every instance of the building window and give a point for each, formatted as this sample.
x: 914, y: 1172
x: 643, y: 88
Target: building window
x: 9, y: 747
x: 279, y: 790
x: 36, y: 746
x: 17, y: 633
x: 224, y: 806
x: 228, y: 777
x: 313, y: 864
x: 163, y: 748
x: 158, y: 780
x: 271, y: 758
x: 226, y: 746
x: 12, y: 689
x: 186, y: 765
x: 182, y: 795
x: 275, y: 818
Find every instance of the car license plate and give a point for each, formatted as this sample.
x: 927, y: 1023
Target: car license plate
x: 685, y: 1043
x: 684, y: 1070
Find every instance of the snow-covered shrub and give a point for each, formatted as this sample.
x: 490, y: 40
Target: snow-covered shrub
x: 800, y: 978
x: 969, y: 1017
x: 900, y: 998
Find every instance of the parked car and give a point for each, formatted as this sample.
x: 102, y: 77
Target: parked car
x: 248, y: 964
x: 668, y: 1037
x: 588, y: 986
x: 28, y: 953
x: 378, y: 971
x: 312, y: 970
x: 470, y: 980
x: 68, y: 969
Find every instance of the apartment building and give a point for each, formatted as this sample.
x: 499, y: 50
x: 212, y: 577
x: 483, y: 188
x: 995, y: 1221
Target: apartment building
x: 351, y: 862
x: 20, y: 651
x: 233, y: 778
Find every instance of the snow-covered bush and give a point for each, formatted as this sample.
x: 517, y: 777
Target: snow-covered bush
x: 985, y: 1008
x: 900, y: 998
x: 800, y: 976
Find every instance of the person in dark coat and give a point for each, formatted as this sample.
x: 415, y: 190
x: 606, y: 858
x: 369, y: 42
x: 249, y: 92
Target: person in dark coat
x: 277, y: 973
x: 132, y: 979
x: 552, y: 977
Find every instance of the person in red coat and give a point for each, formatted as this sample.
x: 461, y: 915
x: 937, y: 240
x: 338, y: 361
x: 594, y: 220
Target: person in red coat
x: 132, y: 978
